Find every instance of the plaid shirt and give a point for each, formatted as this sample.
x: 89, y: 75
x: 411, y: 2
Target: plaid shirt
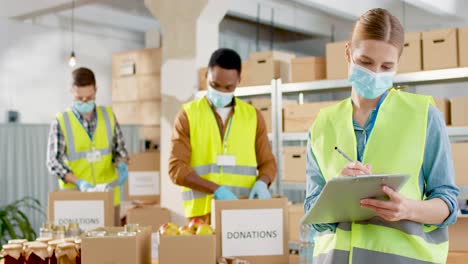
x: 56, y: 154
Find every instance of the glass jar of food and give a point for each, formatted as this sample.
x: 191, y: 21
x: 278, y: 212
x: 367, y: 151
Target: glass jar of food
x: 59, y: 232
x: 78, y: 248
x: 51, y: 250
x: 74, y: 230
x: 44, y: 240
x: 17, y: 241
x: 46, y: 230
x: 36, y: 253
x: 12, y: 254
x: 66, y: 253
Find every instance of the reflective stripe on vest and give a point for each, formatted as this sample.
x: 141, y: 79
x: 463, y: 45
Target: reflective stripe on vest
x: 396, y: 145
x: 206, y: 145
x: 78, y: 145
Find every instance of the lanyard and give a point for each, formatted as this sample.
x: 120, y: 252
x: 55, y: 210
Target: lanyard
x: 372, y: 123
x: 227, y: 134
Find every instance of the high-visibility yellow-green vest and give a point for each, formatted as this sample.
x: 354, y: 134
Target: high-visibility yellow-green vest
x: 79, y: 144
x: 396, y: 145
x: 206, y: 144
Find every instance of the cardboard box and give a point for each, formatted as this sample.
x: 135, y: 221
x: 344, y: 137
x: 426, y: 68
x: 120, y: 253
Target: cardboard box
x: 270, y: 65
x: 411, y: 58
x: 139, y: 62
x: 202, y: 78
x: 459, y: 111
x: 444, y: 106
x: 457, y: 234
x: 143, y: 182
x: 89, y: 209
x: 246, y: 74
x: 138, y: 113
x: 299, y: 118
x: 153, y: 216
x: 463, y: 46
x: 187, y: 249
x: 459, y: 154
x: 296, y: 212
x: 336, y: 64
x: 293, y: 259
x: 308, y: 69
x: 294, y: 159
x: 440, y: 49
x: 254, y: 230
x: 457, y: 257
x: 117, y: 249
x: 128, y: 89
x: 264, y: 106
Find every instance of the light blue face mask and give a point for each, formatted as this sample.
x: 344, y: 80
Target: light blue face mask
x: 219, y: 99
x: 369, y: 84
x: 84, y: 108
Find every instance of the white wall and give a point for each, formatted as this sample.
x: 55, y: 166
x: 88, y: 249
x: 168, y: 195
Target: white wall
x: 34, y: 72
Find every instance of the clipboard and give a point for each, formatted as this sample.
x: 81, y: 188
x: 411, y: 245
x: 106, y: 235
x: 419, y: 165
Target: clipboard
x: 340, y: 198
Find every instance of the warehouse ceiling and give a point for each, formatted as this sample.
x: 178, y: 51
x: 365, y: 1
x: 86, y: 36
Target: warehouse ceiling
x: 310, y: 17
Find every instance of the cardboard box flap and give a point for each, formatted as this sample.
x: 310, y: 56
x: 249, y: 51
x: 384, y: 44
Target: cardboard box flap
x: 439, y: 36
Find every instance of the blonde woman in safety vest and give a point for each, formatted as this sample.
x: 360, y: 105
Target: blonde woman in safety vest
x: 220, y: 145
x: 86, y: 144
x: 386, y: 131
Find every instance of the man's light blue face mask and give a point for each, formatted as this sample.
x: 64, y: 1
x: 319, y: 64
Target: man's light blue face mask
x: 369, y: 84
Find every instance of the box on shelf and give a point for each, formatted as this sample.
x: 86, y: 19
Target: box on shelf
x: 138, y: 62
x: 264, y: 106
x: 336, y: 64
x: 269, y: 65
x: 294, y: 159
x: 296, y: 212
x: 202, y: 77
x: 459, y: 111
x: 299, y: 118
x: 254, y: 230
x: 411, y: 58
x: 308, y: 69
x: 457, y: 235
x: 443, y: 105
x: 132, y: 88
x: 138, y: 112
x: 459, y: 154
x: 246, y: 74
x: 117, y: 249
x: 440, y: 49
x: 463, y: 46
x: 89, y: 209
x: 187, y: 249
x: 143, y: 182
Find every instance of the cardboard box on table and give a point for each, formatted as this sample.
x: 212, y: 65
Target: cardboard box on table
x: 117, y: 249
x: 457, y: 234
x: 143, y: 184
x: 187, y: 249
x: 296, y: 212
x: 89, y: 209
x: 254, y: 230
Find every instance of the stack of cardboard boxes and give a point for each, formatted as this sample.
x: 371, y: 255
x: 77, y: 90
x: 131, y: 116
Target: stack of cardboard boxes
x: 136, y: 92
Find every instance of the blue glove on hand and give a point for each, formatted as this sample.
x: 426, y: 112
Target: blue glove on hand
x: 223, y: 193
x: 123, y: 172
x: 260, y: 190
x: 83, y: 186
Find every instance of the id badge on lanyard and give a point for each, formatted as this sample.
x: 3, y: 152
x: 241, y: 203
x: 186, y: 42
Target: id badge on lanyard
x: 94, y: 155
x: 225, y: 159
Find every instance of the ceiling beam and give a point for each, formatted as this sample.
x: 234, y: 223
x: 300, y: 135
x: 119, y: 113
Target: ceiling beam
x: 43, y: 9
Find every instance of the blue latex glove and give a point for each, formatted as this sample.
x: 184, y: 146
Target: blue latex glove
x: 260, y: 190
x: 223, y: 193
x: 83, y: 186
x: 123, y: 172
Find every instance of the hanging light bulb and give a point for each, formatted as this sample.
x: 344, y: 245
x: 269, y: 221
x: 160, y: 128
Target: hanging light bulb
x: 72, y: 60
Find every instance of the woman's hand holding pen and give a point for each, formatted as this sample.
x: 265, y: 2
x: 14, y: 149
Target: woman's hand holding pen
x: 356, y: 169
